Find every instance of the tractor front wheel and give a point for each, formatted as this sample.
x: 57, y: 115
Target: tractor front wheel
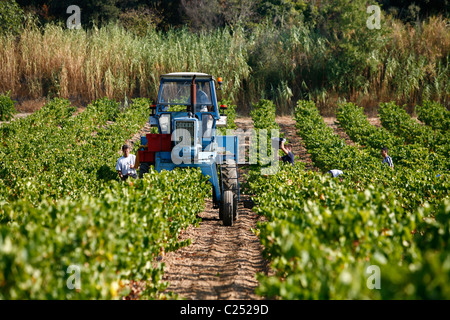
x: 227, y: 207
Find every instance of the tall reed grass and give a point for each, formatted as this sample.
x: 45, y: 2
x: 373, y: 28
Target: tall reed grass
x: 112, y: 62
x: 405, y: 63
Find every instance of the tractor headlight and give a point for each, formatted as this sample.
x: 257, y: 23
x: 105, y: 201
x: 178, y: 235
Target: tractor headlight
x: 164, y: 123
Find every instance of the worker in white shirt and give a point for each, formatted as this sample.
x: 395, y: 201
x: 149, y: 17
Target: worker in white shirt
x: 125, y: 165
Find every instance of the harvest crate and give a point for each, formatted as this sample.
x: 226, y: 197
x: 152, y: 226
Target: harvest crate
x: 154, y: 142
x: 159, y: 142
x: 146, y: 156
x: 166, y: 142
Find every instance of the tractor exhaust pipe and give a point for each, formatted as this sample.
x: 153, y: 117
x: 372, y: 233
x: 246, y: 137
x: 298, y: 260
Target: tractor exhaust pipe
x: 193, y: 95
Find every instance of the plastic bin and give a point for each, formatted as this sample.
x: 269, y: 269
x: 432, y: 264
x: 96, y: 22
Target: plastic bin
x: 146, y: 156
x: 166, y: 142
x: 154, y: 142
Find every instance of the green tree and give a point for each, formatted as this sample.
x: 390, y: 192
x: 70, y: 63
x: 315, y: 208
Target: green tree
x: 282, y: 11
x: 11, y: 17
x: 92, y: 11
x: 7, y: 109
x: 410, y: 11
x: 355, y: 49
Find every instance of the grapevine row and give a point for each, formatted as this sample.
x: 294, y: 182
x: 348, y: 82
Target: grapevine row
x: 63, y: 207
x: 434, y: 115
x: 322, y: 234
x: 414, y: 184
x: 112, y: 238
x: 352, y: 119
x: 396, y: 119
x: 52, y: 153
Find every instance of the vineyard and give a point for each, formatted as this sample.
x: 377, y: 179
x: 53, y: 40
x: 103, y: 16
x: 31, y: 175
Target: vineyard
x: 62, y: 205
x: 323, y: 233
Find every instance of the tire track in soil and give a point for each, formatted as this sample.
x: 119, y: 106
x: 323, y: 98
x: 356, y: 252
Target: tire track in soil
x: 221, y: 262
x: 331, y: 122
x: 17, y: 116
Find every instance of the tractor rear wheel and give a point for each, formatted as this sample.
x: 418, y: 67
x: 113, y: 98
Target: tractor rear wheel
x: 144, y: 167
x: 227, y: 207
x: 230, y: 182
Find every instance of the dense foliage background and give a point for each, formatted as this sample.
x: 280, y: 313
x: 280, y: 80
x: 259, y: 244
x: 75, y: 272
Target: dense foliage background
x: 279, y: 50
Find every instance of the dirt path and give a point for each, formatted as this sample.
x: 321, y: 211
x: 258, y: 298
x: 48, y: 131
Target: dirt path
x: 331, y: 122
x: 222, y: 262
x: 17, y: 116
x: 136, y: 138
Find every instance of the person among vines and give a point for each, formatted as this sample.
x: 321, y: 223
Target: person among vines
x: 125, y: 165
x: 386, y: 159
x: 287, y: 149
x: 202, y: 100
x: 335, y: 172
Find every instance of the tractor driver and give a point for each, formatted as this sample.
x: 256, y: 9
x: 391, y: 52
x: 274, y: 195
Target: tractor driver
x: 202, y: 100
x: 202, y: 106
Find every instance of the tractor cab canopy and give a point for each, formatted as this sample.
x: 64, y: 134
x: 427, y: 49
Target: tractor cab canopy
x: 175, y: 93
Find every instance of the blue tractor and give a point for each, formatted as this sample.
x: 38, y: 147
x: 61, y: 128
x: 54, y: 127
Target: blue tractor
x: 187, y: 115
